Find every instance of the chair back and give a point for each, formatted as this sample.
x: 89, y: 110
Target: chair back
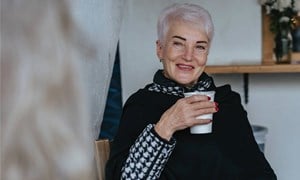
x: 101, y: 156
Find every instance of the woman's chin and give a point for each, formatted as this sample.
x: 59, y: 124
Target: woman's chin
x: 186, y: 83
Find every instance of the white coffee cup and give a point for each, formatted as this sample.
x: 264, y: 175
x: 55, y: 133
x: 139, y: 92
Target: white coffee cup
x: 203, y: 128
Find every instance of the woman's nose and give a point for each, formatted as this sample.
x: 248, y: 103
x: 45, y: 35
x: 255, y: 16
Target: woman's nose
x: 188, y: 54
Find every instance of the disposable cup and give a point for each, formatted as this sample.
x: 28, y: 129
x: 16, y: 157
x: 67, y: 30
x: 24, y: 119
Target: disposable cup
x: 203, y: 128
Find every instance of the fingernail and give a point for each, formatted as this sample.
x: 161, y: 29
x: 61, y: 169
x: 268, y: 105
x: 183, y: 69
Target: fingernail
x: 216, y: 104
x: 217, y: 109
x: 208, y: 97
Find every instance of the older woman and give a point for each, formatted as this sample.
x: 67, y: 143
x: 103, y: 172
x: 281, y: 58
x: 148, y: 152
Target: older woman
x: 154, y: 141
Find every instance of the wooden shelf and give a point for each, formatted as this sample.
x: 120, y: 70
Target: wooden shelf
x: 268, y: 68
x: 268, y: 62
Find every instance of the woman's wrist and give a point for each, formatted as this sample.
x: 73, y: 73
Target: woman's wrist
x: 162, y: 131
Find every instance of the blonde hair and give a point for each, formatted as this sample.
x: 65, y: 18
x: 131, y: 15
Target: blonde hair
x: 44, y: 114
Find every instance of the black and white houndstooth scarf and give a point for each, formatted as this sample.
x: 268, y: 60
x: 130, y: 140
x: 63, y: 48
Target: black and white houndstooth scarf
x: 167, y: 86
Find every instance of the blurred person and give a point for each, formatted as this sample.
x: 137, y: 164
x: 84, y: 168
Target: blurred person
x: 44, y: 113
x: 154, y: 140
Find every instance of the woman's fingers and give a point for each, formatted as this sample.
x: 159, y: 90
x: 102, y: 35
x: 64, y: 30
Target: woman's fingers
x: 196, y: 98
x: 195, y: 105
x: 202, y: 111
x: 184, y: 113
x: 198, y: 105
x: 203, y: 104
x: 200, y: 121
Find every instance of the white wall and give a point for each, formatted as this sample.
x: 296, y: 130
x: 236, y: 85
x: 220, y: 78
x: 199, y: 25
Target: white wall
x: 273, y: 98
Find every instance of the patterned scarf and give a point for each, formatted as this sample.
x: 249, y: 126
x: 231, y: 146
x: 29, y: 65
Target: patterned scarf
x: 167, y: 86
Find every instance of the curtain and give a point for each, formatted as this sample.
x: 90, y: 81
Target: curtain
x: 100, y: 22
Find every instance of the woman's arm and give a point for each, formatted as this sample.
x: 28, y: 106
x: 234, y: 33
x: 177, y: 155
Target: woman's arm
x: 147, y: 156
x: 137, y: 150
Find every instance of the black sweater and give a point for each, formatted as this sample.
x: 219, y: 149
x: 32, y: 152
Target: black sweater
x: 230, y: 152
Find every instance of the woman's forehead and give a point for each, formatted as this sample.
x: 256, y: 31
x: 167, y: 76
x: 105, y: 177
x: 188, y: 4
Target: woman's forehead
x: 186, y: 30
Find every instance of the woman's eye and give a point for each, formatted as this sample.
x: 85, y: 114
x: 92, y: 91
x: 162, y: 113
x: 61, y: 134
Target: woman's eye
x: 201, y: 48
x: 177, y: 44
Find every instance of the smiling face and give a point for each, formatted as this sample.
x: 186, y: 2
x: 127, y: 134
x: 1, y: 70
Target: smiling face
x: 183, y: 52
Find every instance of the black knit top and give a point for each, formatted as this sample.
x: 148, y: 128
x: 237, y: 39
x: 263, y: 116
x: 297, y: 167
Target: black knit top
x: 228, y: 153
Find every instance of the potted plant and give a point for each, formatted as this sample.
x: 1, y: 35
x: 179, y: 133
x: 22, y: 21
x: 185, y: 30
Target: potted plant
x: 282, y: 14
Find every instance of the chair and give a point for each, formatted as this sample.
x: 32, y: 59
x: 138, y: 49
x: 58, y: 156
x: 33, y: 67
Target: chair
x: 101, y: 155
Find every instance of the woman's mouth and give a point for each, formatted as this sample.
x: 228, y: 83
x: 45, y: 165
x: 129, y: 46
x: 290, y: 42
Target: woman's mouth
x: 185, y: 67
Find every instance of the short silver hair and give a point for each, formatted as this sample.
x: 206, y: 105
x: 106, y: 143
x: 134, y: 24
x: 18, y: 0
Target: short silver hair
x: 186, y: 13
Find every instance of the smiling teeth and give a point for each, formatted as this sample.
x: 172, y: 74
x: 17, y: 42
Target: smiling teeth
x: 185, y: 66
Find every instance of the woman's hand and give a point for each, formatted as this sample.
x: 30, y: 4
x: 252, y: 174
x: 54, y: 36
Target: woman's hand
x: 183, y: 115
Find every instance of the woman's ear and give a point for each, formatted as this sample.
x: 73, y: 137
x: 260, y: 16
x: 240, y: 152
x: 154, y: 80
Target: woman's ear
x: 159, y: 49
